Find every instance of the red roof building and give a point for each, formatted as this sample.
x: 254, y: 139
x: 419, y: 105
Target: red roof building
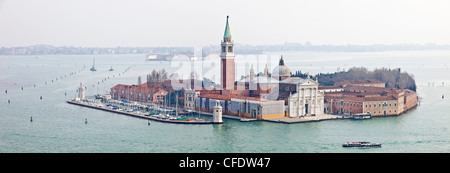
x: 378, y: 101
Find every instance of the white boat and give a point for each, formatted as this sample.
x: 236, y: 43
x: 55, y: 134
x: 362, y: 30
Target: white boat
x: 245, y: 120
x: 93, y: 68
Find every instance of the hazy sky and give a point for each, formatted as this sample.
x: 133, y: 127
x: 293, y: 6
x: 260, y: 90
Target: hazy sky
x: 111, y: 23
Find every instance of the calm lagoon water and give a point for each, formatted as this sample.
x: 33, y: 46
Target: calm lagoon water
x: 59, y: 127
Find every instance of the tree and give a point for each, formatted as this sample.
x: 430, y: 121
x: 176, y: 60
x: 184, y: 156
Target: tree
x: 157, y: 76
x: 393, y: 78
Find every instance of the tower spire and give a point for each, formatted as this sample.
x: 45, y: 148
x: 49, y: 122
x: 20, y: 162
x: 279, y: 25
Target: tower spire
x: 227, y: 34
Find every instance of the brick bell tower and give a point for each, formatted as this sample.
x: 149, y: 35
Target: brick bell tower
x: 227, y: 70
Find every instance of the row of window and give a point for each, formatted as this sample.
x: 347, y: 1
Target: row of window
x: 379, y: 112
x: 361, y: 105
x: 374, y: 112
x: 379, y: 105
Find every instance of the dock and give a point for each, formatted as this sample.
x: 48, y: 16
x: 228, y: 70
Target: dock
x: 80, y: 103
x: 305, y: 119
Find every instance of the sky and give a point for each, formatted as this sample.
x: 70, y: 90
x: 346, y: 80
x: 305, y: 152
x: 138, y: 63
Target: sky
x: 149, y: 23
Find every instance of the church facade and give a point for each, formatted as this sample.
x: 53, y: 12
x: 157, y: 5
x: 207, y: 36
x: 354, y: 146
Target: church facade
x: 308, y: 100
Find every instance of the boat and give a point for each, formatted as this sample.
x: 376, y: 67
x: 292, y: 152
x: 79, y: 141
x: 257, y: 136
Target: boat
x: 245, y: 120
x: 362, y: 116
x: 151, y: 58
x: 361, y: 144
x: 111, y: 69
x: 93, y: 68
x: 172, y: 118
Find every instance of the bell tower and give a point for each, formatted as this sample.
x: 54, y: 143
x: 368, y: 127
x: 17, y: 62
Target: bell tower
x: 227, y: 67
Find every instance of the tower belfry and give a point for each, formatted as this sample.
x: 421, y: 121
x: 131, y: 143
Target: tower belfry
x: 227, y: 68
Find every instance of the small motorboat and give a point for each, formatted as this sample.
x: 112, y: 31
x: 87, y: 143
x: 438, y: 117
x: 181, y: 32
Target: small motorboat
x: 245, y: 120
x: 362, y: 116
x: 361, y: 144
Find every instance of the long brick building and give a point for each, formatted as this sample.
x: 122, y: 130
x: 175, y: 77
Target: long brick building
x: 378, y: 101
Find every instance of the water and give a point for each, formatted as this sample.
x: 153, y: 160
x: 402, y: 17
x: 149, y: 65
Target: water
x: 60, y: 127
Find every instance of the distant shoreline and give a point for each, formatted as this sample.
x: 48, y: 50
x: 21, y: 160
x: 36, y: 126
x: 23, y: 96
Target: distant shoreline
x: 205, y: 50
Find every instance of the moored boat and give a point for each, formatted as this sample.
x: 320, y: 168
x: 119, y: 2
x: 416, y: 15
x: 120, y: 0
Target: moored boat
x: 245, y: 120
x: 362, y: 116
x: 361, y: 144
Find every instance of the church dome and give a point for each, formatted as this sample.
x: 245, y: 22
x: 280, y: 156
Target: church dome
x: 281, y: 70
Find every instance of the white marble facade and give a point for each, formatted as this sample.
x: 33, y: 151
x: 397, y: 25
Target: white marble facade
x: 308, y: 100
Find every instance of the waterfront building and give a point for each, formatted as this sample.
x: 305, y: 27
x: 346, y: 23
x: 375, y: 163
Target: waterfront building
x: 140, y: 93
x: 250, y: 107
x: 307, y: 99
x: 378, y: 101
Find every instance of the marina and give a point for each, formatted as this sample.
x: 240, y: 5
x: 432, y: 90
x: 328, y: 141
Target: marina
x: 143, y: 111
x: 161, y: 118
